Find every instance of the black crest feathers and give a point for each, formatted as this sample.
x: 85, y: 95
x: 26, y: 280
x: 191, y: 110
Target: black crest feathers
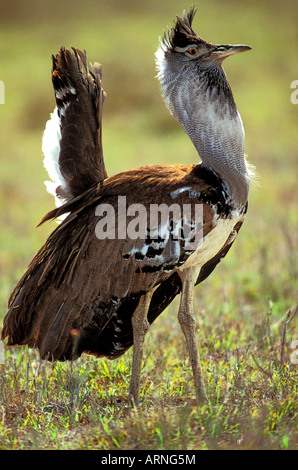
x: 182, y: 34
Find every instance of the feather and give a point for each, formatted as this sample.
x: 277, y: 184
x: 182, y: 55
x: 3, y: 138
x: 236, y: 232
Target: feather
x: 72, y: 141
x: 78, y: 282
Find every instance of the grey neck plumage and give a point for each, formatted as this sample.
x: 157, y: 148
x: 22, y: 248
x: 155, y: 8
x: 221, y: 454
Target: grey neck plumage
x: 203, y: 104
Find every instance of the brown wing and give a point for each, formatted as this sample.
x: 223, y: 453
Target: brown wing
x: 79, y: 97
x: 117, y: 337
x: 77, y: 282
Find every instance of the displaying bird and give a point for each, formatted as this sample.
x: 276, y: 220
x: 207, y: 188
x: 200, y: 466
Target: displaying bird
x: 130, y: 243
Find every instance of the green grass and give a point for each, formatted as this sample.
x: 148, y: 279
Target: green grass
x: 84, y: 405
x: 245, y: 310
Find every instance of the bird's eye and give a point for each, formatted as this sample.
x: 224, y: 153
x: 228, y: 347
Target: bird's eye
x: 192, y: 51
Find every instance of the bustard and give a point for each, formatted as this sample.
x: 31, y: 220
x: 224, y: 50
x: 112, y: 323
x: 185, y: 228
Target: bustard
x: 85, y: 294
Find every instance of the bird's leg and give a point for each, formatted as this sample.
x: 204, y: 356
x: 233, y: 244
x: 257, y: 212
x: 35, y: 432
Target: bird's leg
x: 140, y: 326
x: 188, y: 325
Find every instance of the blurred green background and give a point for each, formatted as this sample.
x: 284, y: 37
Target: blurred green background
x: 138, y: 129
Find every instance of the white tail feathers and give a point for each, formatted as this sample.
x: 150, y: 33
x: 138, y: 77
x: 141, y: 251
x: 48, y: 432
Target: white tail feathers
x: 51, y: 150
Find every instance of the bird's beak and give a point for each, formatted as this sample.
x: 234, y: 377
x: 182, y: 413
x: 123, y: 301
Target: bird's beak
x: 223, y: 51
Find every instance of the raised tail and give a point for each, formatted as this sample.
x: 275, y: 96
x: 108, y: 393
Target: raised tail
x: 72, y: 141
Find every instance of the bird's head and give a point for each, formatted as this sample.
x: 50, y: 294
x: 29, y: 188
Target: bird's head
x: 197, y: 93
x: 181, y: 47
